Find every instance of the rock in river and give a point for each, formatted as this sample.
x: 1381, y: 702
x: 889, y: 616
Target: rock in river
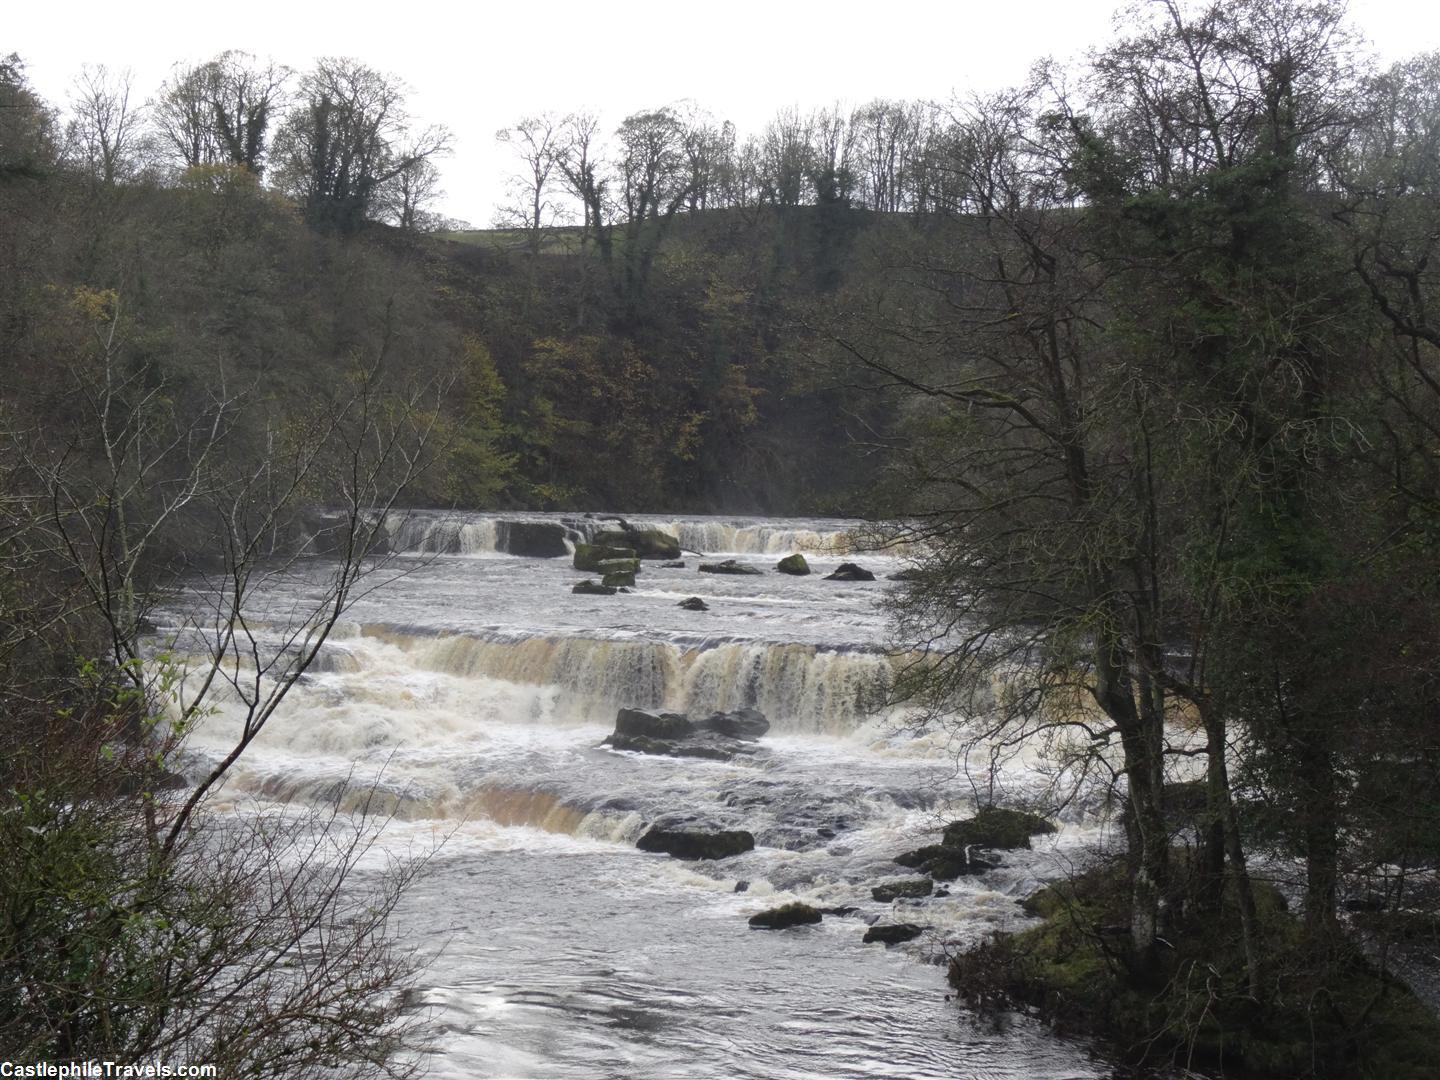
x: 914, y: 889
x: 729, y: 566
x: 893, y: 933
x: 784, y: 916
x: 993, y: 827
x: 593, y: 588
x: 793, y: 564
x: 694, y: 603
x: 849, y: 571
x: 647, y: 543
x: 719, y: 737
x: 697, y: 843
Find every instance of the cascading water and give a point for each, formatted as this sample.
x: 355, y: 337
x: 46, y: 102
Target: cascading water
x: 469, y: 697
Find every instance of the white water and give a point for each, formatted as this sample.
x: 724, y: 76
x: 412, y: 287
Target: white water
x: 472, y: 692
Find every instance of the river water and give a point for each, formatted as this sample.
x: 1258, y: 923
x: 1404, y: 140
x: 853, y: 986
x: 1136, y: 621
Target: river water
x: 473, y: 691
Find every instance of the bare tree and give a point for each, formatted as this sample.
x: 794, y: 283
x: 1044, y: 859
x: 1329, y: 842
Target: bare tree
x: 537, y: 141
x: 105, y: 128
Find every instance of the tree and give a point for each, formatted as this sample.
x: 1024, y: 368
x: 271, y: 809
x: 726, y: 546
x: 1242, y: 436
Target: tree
x: 347, y: 136
x: 138, y: 924
x: 104, y: 130
x: 537, y: 141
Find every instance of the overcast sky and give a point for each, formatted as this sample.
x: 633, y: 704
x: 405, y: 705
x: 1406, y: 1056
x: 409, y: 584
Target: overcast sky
x: 480, y: 67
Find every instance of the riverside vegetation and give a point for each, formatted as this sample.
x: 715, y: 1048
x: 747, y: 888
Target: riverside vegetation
x: 1142, y: 356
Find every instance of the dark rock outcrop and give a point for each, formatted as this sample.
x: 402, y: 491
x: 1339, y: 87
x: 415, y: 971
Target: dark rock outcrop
x: 647, y: 543
x: 533, y: 539
x: 793, y: 564
x: 729, y: 566
x: 720, y: 737
x: 784, y: 916
x: 944, y: 863
x: 914, y: 889
x: 673, y: 564
x: 993, y: 827
x: 696, y: 843
x: 593, y: 588
x: 651, y: 725
x: 619, y: 578
x: 849, y: 571
x: 694, y: 603
x: 745, y: 724
x: 893, y: 933
x: 618, y: 566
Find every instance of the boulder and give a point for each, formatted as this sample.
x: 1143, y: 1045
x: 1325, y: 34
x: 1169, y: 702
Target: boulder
x: 619, y: 578
x: 589, y: 556
x: 849, y: 571
x: 533, y: 539
x: 694, y: 603
x: 914, y: 889
x: 618, y: 566
x: 697, y: 843
x: 948, y: 863
x: 784, y: 916
x: 745, y: 724
x: 593, y: 588
x: 793, y: 564
x: 729, y: 566
x: 651, y: 725
x: 993, y: 827
x: 893, y: 933
x: 647, y: 543
x: 674, y: 564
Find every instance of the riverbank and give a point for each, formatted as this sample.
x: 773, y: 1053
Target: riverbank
x: 1196, y: 1012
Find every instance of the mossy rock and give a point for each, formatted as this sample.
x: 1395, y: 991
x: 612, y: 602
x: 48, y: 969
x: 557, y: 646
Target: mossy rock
x: 647, y: 543
x: 590, y: 556
x: 993, y: 827
x: 1044, y: 903
x: 619, y: 578
x: 785, y: 916
x: 793, y: 564
x: 914, y: 889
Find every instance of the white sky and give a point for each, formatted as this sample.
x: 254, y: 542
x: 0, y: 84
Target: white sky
x: 481, y: 66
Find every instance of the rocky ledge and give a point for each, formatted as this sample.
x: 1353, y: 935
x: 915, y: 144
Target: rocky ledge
x: 720, y: 736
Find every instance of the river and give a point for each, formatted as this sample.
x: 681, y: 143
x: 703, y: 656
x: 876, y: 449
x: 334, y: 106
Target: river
x: 474, y: 690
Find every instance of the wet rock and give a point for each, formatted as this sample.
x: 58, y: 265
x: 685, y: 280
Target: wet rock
x: 593, y: 588
x: 840, y: 911
x: 619, y: 578
x: 590, y: 556
x: 914, y: 889
x: 944, y: 863
x: 532, y: 539
x: 910, y: 573
x: 993, y: 827
x: 793, y: 564
x: 745, y: 724
x: 695, y: 843
x: 648, y: 543
x: 693, y: 603
x: 676, y: 735
x: 893, y: 933
x: 742, y: 886
x: 729, y: 566
x: 849, y: 571
x: 785, y: 916
x: 618, y: 566
x: 674, y: 564
x: 651, y: 725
